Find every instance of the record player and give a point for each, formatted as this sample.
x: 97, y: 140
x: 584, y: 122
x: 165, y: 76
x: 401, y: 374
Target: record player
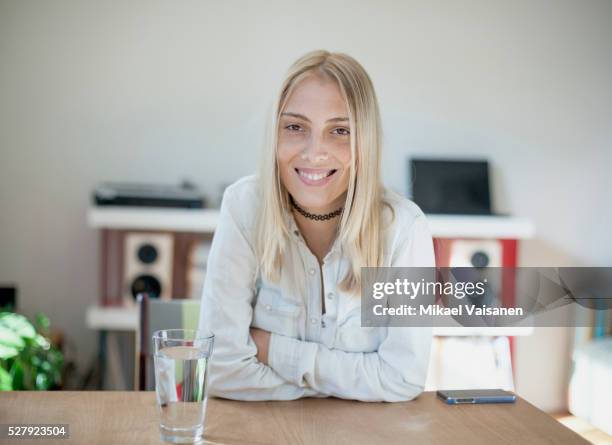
x: 185, y: 195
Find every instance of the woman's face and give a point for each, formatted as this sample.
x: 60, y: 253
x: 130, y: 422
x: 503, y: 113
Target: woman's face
x: 314, y: 150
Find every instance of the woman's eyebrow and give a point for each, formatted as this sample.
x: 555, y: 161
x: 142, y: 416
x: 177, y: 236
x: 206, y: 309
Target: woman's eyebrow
x: 338, y: 119
x: 301, y: 116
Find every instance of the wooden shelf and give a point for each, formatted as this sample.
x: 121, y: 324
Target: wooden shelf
x: 153, y: 218
x: 117, y: 318
x: 206, y: 220
x: 480, y: 226
x: 112, y: 318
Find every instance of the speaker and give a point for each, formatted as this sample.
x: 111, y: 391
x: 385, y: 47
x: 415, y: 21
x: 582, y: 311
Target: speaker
x: 475, y: 253
x: 148, y: 263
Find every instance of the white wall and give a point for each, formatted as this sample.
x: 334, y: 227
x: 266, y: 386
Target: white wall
x: 160, y: 91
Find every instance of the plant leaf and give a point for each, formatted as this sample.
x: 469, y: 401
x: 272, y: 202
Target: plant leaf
x: 9, y: 338
x: 42, y: 341
x: 18, y: 375
x: 6, y: 381
x: 19, y: 324
x: 42, y: 321
x: 43, y: 382
x: 7, y: 351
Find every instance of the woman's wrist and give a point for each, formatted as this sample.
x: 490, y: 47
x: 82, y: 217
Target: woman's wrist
x: 262, y: 342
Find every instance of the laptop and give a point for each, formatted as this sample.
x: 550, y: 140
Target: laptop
x: 450, y: 186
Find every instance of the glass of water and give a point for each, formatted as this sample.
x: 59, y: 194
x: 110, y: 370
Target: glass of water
x: 181, y: 371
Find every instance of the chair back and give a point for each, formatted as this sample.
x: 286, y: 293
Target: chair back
x: 158, y: 314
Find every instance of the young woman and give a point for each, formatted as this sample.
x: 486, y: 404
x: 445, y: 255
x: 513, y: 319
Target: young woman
x: 282, y: 287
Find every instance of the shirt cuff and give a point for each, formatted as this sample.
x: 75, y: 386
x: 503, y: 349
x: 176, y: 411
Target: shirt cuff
x: 290, y: 357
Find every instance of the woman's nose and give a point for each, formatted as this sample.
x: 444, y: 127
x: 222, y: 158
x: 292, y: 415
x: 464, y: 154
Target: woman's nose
x: 315, y: 151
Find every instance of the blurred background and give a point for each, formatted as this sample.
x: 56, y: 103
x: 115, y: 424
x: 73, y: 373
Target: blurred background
x: 164, y: 92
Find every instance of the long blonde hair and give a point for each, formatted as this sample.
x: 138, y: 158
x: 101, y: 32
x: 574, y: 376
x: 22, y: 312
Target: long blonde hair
x: 360, y: 228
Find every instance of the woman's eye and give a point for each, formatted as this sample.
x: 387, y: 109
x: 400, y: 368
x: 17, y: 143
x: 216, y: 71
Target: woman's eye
x: 293, y: 127
x: 341, y: 131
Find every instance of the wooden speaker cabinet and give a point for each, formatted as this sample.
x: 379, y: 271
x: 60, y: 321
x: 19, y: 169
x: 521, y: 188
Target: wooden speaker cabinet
x: 157, y: 262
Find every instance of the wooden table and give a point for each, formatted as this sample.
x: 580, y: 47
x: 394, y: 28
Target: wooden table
x: 131, y: 418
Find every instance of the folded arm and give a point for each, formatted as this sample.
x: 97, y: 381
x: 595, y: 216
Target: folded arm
x: 395, y: 372
x: 234, y: 371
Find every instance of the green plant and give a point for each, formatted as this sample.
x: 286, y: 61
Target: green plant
x: 28, y: 360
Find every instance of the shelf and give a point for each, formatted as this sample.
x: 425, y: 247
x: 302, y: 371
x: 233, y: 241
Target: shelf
x: 112, y: 318
x: 206, y: 220
x: 480, y: 226
x: 116, y: 318
x: 153, y: 218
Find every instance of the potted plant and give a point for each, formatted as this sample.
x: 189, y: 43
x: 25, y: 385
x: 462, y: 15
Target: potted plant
x: 28, y: 360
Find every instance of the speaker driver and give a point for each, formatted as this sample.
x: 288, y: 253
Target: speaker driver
x: 147, y: 253
x: 480, y: 259
x: 146, y: 284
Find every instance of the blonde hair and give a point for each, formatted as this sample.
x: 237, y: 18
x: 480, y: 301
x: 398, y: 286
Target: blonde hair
x: 360, y: 228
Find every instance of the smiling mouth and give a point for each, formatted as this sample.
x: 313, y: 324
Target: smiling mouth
x: 315, y: 175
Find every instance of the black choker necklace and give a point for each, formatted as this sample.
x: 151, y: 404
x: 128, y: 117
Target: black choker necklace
x: 308, y: 215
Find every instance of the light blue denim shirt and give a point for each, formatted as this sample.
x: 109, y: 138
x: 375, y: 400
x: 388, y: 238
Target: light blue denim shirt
x: 311, y: 354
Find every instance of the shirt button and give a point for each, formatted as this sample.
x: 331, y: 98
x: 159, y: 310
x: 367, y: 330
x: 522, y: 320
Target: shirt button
x: 313, y: 320
x: 268, y: 307
x: 330, y: 296
x: 311, y: 271
x: 296, y: 233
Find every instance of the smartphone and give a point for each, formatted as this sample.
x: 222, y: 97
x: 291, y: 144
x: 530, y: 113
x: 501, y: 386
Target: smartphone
x: 456, y: 397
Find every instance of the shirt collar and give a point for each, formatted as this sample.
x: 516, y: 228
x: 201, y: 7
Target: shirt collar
x: 294, y: 232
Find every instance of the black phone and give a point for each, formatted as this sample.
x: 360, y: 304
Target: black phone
x: 460, y: 396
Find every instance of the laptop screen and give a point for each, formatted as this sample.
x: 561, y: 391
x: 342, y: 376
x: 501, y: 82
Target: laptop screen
x: 451, y: 186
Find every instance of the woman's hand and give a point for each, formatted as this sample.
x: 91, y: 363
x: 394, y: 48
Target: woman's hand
x: 262, y: 341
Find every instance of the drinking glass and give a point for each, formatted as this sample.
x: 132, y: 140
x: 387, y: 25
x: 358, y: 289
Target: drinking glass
x: 181, y: 371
